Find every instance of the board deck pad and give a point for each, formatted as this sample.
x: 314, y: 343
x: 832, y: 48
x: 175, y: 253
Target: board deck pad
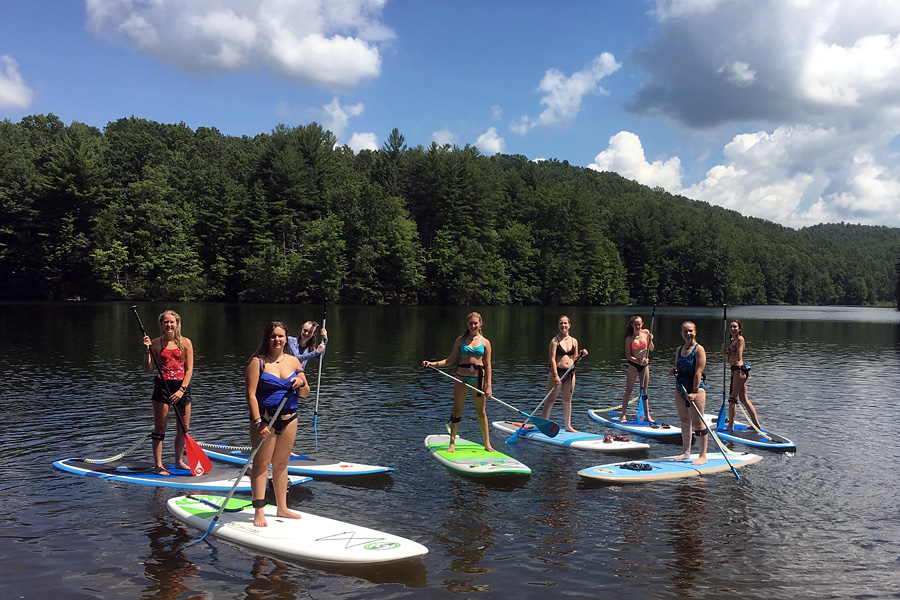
x: 581, y: 440
x: 472, y: 459
x: 298, y: 465
x: 311, y: 539
x: 665, y: 431
x: 745, y: 434
x: 142, y: 473
x: 663, y: 469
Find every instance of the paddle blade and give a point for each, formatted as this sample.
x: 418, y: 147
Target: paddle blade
x: 720, y: 420
x: 514, y: 437
x: 640, y: 413
x: 546, y: 426
x: 197, y: 458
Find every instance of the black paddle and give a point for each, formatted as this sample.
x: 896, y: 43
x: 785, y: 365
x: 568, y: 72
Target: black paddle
x: 710, y: 430
x: 722, y: 418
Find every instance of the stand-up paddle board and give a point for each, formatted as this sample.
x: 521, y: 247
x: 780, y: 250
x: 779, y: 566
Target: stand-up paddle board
x: 311, y: 538
x: 745, y: 434
x: 472, y: 459
x: 297, y: 465
x: 583, y: 441
x: 144, y: 473
x: 662, y: 469
x: 658, y: 431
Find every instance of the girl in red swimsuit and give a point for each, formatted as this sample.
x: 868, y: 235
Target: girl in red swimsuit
x: 176, y: 360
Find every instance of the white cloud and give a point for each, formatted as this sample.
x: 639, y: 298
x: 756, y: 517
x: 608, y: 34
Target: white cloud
x: 563, y: 95
x: 363, y: 141
x: 443, y: 137
x: 329, y: 44
x: 337, y: 116
x: 14, y: 92
x: 490, y: 142
x: 739, y: 73
x: 625, y: 156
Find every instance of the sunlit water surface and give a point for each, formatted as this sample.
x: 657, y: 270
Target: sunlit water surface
x: 823, y: 523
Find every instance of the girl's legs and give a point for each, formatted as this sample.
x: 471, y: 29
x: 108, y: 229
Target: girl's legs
x: 629, y: 386
x: 160, y: 416
x: 481, y: 413
x: 259, y: 472
x: 699, y: 425
x: 280, y: 457
x: 568, y: 389
x: 742, y: 394
x: 548, y: 405
x: 459, y: 401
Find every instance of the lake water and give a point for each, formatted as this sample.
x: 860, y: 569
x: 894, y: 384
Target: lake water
x: 822, y: 523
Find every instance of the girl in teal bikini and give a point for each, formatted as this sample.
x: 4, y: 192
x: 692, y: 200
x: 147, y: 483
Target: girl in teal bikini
x: 473, y: 351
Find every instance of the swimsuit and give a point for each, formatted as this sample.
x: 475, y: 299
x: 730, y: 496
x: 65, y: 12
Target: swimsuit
x: 270, y: 390
x: 560, y: 352
x: 637, y: 344
x: 172, y: 367
x: 684, y: 372
x: 476, y: 381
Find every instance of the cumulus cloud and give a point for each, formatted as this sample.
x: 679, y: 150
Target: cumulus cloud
x: 563, y: 95
x: 14, y: 92
x: 329, y: 44
x: 363, y: 141
x: 490, y: 142
x: 337, y: 116
x: 625, y: 156
x: 443, y: 137
x: 719, y: 61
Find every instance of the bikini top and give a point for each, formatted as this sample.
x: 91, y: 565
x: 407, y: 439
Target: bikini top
x: 271, y: 388
x: 638, y: 343
x: 560, y: 352
x: 171, y: 363
x: 477, y: 351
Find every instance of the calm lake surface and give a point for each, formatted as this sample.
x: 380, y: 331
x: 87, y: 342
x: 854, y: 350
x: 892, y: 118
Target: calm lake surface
x: 823, y: 523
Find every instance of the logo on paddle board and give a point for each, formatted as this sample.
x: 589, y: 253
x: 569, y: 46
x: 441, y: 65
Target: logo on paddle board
x: 381, y: 546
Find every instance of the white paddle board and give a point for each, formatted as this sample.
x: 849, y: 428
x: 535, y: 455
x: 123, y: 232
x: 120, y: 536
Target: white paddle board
x: 583, y: 441
x: 311, y: 538
x: 297, y: 465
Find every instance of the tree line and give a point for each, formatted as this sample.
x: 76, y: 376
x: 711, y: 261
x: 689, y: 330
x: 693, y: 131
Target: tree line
x: 144, y: 210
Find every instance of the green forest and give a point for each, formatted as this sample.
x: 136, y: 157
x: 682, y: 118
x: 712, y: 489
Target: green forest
x: 144, y: 210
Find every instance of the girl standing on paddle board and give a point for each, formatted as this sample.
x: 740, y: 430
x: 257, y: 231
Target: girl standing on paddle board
x: 563, y: 352
x: 690, y: 360
x: 176, y: 360
x: 272, y: 376
x: 740, y: 373
x: 474, y: 353
x: 304, y: 346
x: 638, y: 345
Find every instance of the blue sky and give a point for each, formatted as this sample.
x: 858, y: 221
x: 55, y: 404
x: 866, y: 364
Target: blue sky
x: 788, y: 110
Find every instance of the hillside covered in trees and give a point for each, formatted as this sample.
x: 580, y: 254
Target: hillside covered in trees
x: 143, y: 210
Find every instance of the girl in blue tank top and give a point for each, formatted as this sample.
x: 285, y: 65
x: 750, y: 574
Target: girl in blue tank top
x: 690, y: 360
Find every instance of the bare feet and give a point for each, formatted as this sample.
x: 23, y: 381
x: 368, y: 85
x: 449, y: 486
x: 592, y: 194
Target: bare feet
x: 183, y: 465
x: 681, y: 456
x: 286, y: 513
x: 489, y: 448
x: 259, y: 518
x: 571, y: 429
x: 623, y: 419
x: 700, y: 461
x: 451, y: 447
x: 160, y: 470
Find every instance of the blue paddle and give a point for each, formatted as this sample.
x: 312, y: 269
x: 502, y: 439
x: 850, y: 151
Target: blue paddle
x: 512, y: 439
x: 722, y: 418
x: 725, y: 451
x: 240, y: 476
x: 546, y: 426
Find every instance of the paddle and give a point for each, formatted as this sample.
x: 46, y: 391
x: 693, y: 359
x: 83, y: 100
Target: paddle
x: 722, y: 418
x: 240, y: 476
x: 197, y: 458
x: 642, y: 393
x: 546, y: 426
x: 319, y: 380
x: 725, y: 451
x: 512, y: 439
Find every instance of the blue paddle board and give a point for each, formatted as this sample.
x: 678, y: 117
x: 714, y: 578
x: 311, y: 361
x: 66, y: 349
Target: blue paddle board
x: 745, y: 434
x: 661, y: 431
x: 662, y: 469
x: 142, y: 473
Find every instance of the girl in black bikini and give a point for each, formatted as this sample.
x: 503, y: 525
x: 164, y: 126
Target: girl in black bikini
x: 563, y: 350
x: 638, y: 345
x: 740, y: 373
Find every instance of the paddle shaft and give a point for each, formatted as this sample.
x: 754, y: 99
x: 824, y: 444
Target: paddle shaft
x: 709, y: 429
x: 540, y: 423
x: 645, y: 374
x: 319, y: 380
x: 240, y: 476
x: 719, y: 421
x: 561, y: 379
